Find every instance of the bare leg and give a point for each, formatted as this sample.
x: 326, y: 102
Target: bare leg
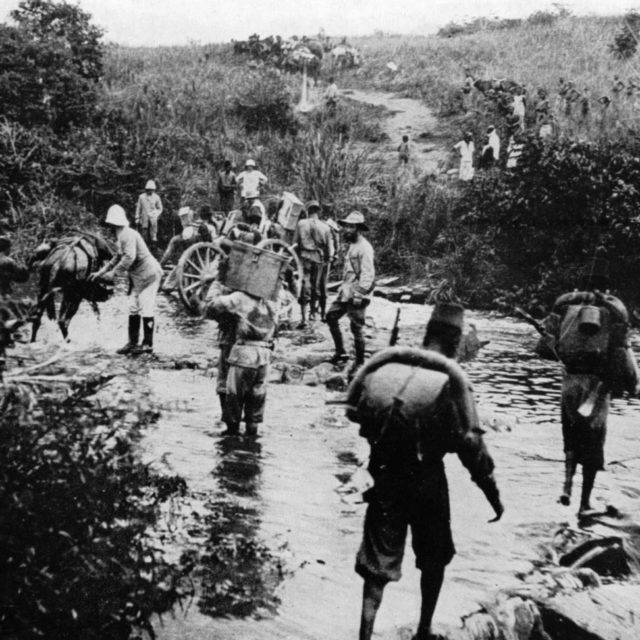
x: 371, y: 599
x: 588, y: 479
x: 569, y: 472
x: 430, y: 585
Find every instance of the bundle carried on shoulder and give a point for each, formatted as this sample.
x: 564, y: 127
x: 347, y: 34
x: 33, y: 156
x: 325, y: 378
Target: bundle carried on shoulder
x: 592, y: 338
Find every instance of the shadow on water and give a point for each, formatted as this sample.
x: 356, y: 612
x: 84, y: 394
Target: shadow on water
x: 239, y: 574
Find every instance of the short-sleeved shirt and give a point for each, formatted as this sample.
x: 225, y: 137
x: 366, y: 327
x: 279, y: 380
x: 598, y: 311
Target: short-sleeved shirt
x: 250, y: 183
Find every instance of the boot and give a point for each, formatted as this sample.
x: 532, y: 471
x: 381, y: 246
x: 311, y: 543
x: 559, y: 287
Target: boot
x: 303, y: 317
x: 223, y: 398
x: 148, y: 325
x: 134, y: 335
x: 233, y: 429
x: 252, y: 429
x: 339, y: 355
x: 323, y: 310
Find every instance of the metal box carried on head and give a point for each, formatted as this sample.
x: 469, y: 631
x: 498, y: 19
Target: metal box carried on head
x: 290, y: 211
x: 254, y: 271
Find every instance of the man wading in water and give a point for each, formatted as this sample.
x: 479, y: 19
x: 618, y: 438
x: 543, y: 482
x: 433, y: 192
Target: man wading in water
x: 413, y: 407
x: 588, y: 332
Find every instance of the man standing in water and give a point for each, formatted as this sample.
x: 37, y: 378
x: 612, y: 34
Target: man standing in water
x: 413, y: 407
x: 355, y: 292
x: 588, y: 333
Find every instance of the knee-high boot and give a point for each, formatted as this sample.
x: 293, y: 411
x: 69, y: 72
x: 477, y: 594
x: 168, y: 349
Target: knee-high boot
x: 148, y: 325
x: 134, y: 336
x: 569, y: 472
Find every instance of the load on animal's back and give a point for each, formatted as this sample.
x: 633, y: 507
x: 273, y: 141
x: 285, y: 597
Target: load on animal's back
x: 65, y: 266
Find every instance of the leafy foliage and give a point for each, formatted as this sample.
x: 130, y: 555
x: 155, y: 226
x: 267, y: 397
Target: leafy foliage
x: 625, y: 43
x: 75, y: 506
x: 50, y: 64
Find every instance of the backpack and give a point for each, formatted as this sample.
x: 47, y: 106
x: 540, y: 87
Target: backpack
x: 584, y: 338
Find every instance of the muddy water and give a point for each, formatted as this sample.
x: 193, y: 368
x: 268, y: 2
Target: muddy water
x: 284, y: 492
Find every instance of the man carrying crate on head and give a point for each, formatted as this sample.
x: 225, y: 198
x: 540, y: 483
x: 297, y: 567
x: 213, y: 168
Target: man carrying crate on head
x: 251, y: 309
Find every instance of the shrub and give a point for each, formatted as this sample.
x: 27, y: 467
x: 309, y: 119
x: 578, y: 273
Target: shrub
x: 625, y: 42
x: 75, y: 504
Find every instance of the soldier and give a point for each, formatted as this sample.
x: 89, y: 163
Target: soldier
x: 413, y: 407
x: 252, y: 321
x: 588, y: 332
x: 148, y: 210
x: 227, y: 186
x: 10, y: 270
x: 133, y: 259
x: 314, y: 242
x: 354, y: 294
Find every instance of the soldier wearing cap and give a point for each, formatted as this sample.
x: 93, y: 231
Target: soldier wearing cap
x: 10, y: 270
x: 414, y: 406
x: 134, y: 260
x: 588, y: 331
x: 148, y: 210
x: 355, y: 292
x: 314, y: 242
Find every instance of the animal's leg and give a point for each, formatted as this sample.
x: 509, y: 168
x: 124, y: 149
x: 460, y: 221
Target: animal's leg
x: 68, y: 309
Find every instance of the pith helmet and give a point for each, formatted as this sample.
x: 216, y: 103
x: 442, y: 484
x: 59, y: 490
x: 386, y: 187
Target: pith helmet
x: 150, y: 186
x: 184, y: 211
x: 250, y: 163
x: 312, y: 204
x: 448, y: 313
x: 355, y: 218
x: 116, y: 216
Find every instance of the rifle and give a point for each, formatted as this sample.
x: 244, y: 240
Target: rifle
x: 396, y: 328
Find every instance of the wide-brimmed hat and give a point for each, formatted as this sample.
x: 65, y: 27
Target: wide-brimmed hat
x: 355, y: 218
x: 150, y: 186
x: 117, y: 216
x: 250, y: 163
x: 312, y: 204
x: 448, y: 313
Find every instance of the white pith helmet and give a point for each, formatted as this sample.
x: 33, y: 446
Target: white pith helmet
x: 151, y: 185
x: 250, y: 163
x: 116, y: 216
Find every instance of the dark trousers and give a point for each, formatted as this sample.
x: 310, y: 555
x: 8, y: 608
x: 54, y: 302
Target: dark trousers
x: 356, y: 318
x: 246, y: 391
x: 314, y: 284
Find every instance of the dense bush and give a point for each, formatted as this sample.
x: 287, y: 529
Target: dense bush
x: 75, y: 505
x: 625, y: 43
x: 50, y: 64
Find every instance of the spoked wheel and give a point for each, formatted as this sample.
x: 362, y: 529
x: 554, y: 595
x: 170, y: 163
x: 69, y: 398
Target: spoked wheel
x: 196, y: 269
x: 293, y: 272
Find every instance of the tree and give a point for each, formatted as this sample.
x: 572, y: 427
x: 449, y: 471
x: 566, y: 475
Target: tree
x: 50, y: 64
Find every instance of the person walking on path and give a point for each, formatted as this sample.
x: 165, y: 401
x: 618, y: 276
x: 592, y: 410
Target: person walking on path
x: 253, y: 321
x: 148, y: 210
x: 354, y: 294
x: 404, y: 151
x: 314, y: 242
x: 227, y: 187
x: 331, y: 95
x: 466, y: 149
x: 133, y: 259
x: 251, y: 181
x: 413, y: 407
x: 10, y: 270
x: 588, y: 332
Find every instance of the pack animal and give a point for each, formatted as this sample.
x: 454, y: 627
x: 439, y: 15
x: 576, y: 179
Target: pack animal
x: 64, y: 266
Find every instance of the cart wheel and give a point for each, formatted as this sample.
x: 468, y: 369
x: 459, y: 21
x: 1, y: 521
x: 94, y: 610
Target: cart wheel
x: 196, y: 269
x: 293, y: 272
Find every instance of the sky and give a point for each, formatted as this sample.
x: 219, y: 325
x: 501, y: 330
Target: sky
x: 167, y: 22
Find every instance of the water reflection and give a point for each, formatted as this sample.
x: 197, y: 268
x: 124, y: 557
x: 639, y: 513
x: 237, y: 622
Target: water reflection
x: 239, y: 573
